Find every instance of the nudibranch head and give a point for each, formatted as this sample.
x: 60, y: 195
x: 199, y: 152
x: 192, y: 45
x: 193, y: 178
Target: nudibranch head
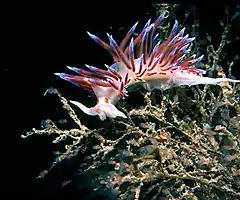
x: 139, y: 61
x: 103, y: 109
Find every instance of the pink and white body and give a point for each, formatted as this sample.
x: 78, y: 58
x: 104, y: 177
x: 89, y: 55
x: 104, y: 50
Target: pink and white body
x: 138, y: 62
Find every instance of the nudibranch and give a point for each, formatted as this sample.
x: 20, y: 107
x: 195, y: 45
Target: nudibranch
x: 136, y: 61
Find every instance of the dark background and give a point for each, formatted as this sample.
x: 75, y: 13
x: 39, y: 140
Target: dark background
x: 42, y: 40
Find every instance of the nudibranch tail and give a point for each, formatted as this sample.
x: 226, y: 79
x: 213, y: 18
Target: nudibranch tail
x: 189, y: 79
x: 139, y: 60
